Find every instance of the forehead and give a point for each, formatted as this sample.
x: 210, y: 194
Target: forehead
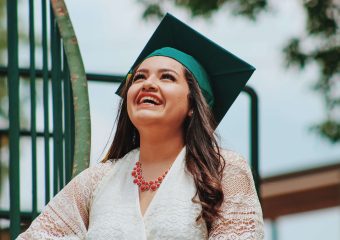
x: 161, y: 62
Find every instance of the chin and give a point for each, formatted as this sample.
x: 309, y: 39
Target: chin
x: 141, y: 119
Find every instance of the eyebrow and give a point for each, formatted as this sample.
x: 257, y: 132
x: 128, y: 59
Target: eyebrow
x: 145, y: 70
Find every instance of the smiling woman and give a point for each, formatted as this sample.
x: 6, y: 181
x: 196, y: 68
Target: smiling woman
x: 158, y: 95
x: 164, y: 175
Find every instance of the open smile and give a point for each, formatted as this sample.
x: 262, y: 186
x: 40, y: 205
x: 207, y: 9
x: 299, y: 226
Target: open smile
x: 149, y: 99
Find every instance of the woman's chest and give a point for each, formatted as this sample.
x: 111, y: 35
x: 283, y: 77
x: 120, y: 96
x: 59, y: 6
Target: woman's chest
x: 175, y: 219
x: 116, y: 213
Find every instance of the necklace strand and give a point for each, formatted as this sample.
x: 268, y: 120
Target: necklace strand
x: 140, y: 181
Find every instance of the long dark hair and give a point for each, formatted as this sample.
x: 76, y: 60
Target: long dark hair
x: 203, y: 158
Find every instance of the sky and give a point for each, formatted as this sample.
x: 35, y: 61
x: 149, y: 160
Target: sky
x: 111, y: 34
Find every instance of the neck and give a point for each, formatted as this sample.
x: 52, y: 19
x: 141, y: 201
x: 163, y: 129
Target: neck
x: 161, y: 146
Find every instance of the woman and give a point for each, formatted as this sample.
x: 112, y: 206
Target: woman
x: 164, y: 176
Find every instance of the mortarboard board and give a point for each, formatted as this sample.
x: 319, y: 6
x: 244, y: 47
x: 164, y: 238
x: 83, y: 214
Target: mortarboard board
x: 227, y: 74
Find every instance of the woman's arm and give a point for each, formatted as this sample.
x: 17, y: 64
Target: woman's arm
x: 241, y: 210
x: 67, y: 215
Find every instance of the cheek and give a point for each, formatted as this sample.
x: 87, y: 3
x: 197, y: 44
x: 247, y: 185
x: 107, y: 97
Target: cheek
x: 181, y: 101
x: 131, y: 94
x: 184, y: 98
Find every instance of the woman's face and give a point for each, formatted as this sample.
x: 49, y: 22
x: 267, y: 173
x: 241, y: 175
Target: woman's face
x: 158, y: 94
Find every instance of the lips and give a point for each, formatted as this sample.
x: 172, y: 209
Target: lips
x: 147, y: 98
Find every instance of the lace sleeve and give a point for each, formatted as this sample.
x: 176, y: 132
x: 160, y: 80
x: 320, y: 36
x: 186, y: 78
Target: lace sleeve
x: 241, y: 210
x: 66, y: 215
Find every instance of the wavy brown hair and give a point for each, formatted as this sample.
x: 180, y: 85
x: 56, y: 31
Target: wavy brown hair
x: 203, y: 157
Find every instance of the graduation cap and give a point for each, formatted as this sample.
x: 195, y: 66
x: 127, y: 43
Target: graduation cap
x: 220, y: 74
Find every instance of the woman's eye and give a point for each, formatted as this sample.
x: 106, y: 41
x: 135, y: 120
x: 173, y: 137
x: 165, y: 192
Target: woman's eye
x: 138, y: 77
x: 168, y: 76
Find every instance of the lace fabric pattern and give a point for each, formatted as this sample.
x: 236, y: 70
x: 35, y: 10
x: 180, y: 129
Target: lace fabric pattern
x: 179, y: 213
x: 241, y: 210
x: 115, y: 212
x: 66, y: 216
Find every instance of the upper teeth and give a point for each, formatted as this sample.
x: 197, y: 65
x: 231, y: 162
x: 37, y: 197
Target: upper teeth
x: 149, y: 98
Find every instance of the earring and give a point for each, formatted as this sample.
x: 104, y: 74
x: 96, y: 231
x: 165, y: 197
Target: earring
x: 190, y: 113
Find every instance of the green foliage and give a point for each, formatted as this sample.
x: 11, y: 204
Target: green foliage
x: 153, y: 10
x: 322, y: 16
x: 205, y: 8
x: 322, y: 29
x: 329, y: 129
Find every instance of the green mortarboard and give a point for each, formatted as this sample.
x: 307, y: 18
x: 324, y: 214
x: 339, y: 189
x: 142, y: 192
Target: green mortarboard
x: 226, y: 74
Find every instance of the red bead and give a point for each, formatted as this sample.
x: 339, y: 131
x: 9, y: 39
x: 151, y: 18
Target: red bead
x: 142, y: 184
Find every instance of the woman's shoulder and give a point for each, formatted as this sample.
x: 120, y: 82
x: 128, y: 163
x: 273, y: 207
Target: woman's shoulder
x: 91, y: 176
x: 235, y: 164
x: 237, y: 179
x: 233, y: 158
x: 98, y: 168
x: 241, y: 210
x: 102, y: 167
x: 97, y: 172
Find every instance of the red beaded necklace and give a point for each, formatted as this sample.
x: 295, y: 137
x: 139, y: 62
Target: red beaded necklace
x: 142, y: 184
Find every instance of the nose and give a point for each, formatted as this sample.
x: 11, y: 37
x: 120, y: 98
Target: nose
x: 150, y: 84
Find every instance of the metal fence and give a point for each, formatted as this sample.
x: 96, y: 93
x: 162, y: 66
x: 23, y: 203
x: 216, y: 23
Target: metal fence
x: 57, y: 77
x: 55, y: 80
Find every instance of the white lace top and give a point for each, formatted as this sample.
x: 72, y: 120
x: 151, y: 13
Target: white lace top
x: 103, y: 203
